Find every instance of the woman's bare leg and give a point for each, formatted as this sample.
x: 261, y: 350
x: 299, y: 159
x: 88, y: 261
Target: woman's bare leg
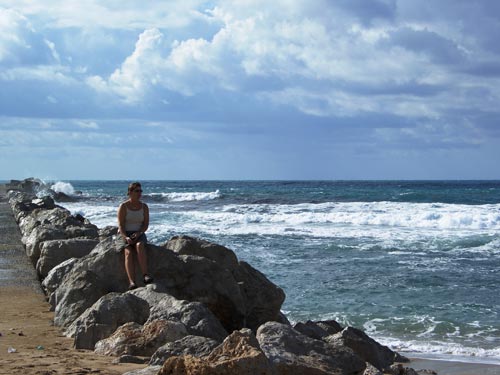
x: 141, y: 257
x: 129, y: 265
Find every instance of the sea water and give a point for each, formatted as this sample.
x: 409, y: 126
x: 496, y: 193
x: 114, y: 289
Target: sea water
x: 414, y: 264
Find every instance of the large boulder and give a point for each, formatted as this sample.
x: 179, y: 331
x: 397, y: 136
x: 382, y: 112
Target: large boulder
x: 197, y: 318
x: 105, y: 316
x: 54, y: 279
x: 136, y: 340
x: 185, y: 245
x: 184, y: 277
x: 263, y: 299
x: 238, y: 354
x: 196, y: 346
x: 291, y: 352
x: 365, y: 347
x: 57, y: 251
x: 39, y: 234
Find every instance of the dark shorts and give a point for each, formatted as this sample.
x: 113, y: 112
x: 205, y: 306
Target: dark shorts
x: 121, y: 244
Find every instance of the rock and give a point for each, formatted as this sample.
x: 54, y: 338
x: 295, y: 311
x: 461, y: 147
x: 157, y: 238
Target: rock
x: 150, y: 370
x: 45, y: 202
x: 368, y: 349
x: 318, y: 330
x: 197, y: 318
x: 263, y: 299
x: 38, y: 235
x: 136, y: 340
x: 291, y: 352
x: 131, y: 359
x: 330, y: 326
x: 371, y: 370
x: 186, y: 245
x: 205, y: 281
x: 196, y: 346
x: 184, y: 277
x: 310, y: 329
x: 107, y: 231
x: 54, y: 279
x: 57, y: 251
x: 79, y: 291
x: 105, y: 316
x: 238, y: 354
x: 62, y: 197
x: 399, y: 369
x: 29, y: 185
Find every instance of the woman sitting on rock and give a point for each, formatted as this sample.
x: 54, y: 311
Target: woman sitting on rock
x: 133, y: 221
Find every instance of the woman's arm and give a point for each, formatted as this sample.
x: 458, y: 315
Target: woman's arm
x: 122, y: 213
x: 145, y: 223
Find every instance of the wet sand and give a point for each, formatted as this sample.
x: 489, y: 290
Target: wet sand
x: 26, y: 325
x: 454, y: 367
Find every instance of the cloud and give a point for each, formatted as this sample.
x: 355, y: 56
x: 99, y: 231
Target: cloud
x: 201, y: 75
x: 20, y: 44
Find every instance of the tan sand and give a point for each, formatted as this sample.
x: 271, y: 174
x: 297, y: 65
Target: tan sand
x: 26, y: 323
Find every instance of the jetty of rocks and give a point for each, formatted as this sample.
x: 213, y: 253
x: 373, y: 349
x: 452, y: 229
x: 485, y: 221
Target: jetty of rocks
x: 206, y: 312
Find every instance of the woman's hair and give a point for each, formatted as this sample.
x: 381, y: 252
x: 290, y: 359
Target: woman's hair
x: 132, y: 186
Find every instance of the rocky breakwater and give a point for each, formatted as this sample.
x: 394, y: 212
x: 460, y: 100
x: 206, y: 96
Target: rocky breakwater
x: 206, y: 312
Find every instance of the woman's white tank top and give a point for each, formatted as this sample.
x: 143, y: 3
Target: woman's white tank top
x: 134, y: 219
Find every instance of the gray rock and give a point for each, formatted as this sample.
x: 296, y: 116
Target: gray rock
x: 238, y: 354
x: 134, y: 339
x: 263, y: 299
x: 131, y: 359
x: 184, y: 277
x: 368, y: 349
x: 371, y: 370
x: 107, y: 231
x: 399, y: 369
x: 291, y: 352
x: 199, y: 279
x: 150, y: 370
x: 105, y: 316
x: 54, y: 279
x: 55, y: 252
x: 185, y: 245
x: 197, y: 318
x: 196, y: 346
x: 96, y: 274
x: 38, y: 235
x: 318, y: 330
x: 330, y: 326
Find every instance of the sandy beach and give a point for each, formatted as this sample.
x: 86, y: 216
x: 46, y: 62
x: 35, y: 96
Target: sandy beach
x: 26, y: 325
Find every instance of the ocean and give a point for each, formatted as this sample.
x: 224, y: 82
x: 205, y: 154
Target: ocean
x: 413, y: 263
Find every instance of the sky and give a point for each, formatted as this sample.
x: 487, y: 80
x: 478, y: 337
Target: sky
x: 250, y: 89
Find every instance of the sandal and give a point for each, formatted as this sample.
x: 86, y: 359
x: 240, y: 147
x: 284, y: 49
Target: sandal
x: 148, y: 279
x: 132, y: 286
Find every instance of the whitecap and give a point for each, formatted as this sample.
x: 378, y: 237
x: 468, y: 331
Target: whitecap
x: 63, y: 187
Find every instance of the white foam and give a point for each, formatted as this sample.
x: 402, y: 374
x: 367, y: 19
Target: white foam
x: 387, y: 224
x: 442, y: 350
x: 188, y: 196
x: 63, y: 187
